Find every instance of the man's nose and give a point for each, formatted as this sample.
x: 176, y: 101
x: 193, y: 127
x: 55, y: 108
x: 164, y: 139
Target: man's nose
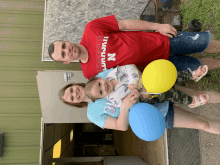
x: 68, y: 51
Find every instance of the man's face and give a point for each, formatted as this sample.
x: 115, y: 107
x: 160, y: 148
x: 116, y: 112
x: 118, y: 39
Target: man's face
x: 65, y: 51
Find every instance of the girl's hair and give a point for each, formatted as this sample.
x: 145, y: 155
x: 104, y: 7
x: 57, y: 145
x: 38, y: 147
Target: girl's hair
x: 61, y: 94
x: 88, y: 88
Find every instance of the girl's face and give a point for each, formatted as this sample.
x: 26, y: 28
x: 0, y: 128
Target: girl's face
x: 101, y: 88
x: 74, y: 94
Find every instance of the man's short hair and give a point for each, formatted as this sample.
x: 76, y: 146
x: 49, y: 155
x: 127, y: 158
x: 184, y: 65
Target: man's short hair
x: 51, y: 49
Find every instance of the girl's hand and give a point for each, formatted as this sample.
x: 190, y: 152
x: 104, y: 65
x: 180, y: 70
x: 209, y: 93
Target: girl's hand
x: 130, y: 99
x: 132, y: 86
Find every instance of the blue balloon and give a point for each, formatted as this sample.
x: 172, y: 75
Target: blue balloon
x: 146, y: 121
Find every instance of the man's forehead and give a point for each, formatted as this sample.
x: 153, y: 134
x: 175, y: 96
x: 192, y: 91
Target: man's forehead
x: 57, y: 49
x: 57, y: 45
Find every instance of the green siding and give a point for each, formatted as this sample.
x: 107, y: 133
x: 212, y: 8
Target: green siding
x: 19, y: 105
x: 21, y: 34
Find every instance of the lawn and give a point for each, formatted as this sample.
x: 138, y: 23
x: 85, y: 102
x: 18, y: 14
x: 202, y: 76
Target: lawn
x: 208, y: 13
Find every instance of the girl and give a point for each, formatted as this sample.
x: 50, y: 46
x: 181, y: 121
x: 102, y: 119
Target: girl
x: 123, y: 79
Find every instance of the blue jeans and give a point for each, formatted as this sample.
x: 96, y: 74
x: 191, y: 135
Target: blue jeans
x: 169, y: 118
x: 188, y: 43
x: 185, y: 43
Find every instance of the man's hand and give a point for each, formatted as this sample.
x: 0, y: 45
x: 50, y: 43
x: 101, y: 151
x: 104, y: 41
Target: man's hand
x: 167, y: 30
x: 132, y: 86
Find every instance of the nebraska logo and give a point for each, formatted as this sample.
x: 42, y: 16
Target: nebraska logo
x: 111, y: 57
x: 101, y: 46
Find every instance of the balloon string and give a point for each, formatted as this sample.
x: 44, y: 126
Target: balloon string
x: 149, y: 93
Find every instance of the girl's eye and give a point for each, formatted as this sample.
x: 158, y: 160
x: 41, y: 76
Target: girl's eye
x: 71, y: 90
x: 63, y: 45
x: 101, y: 92
x: 72, y: 98
x: 99, y: 84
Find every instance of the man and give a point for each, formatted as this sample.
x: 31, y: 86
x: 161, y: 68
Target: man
x: 104, y: 45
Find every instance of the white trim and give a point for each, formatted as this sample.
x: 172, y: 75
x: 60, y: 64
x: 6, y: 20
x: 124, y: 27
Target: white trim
x: 41, y: 142
x: 166, y: 148
x: 45, y: 9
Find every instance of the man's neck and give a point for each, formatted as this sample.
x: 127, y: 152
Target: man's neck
x: 84, y: 54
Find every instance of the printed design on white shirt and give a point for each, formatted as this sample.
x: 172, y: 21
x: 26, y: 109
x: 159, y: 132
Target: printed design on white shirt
x: 135, y: 75
x: 125, y: 87
x: 109, y: 108
x: 124, y: 75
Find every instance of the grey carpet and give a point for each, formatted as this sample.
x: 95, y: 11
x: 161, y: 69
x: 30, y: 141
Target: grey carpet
x: 184, y: 147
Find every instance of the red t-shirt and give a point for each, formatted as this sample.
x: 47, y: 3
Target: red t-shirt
x: 109, y: 47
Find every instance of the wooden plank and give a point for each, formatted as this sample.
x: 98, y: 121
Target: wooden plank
x: 76, y: 159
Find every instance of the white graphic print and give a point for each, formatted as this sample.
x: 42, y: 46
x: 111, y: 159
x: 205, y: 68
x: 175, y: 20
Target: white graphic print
x: 101, y: 57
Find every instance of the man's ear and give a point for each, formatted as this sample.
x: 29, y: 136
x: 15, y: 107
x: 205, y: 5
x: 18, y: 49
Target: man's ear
x: 66, y: 62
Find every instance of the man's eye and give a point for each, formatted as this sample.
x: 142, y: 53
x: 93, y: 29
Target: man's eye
x: 63, y: 54
x: 63, y: 45
x: 99, y: 84
x: 71, y: 90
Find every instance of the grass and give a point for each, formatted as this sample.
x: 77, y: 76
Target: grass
x: 208, y: 13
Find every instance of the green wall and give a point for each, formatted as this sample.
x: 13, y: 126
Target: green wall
x: 21, y: 35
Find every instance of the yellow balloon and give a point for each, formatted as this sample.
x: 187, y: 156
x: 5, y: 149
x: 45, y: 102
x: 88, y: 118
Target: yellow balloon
x: 159, y: 76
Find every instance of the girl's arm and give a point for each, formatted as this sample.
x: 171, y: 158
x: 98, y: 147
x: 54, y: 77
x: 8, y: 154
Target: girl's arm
x: 123, y: 120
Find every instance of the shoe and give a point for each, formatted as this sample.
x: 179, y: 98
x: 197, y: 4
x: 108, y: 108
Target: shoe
x: 200, y: 100
x: 195, y: 77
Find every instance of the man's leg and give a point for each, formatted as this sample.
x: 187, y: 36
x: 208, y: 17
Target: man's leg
x: 214, y: 47
x: 211, y: 62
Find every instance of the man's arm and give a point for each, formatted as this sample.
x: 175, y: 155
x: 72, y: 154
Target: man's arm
x: 164, y: 29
